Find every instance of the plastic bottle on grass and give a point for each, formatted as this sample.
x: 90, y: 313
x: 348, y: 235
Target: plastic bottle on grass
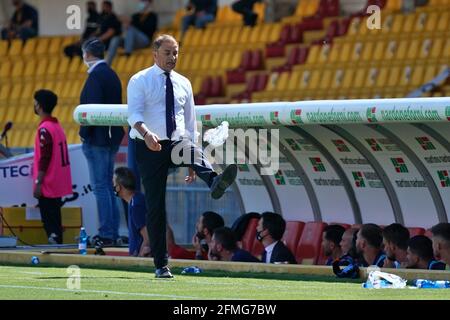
x: 430, y: 284
x: 82, y: 242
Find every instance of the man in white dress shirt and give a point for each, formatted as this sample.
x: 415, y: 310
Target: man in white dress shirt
x: 162, y: 116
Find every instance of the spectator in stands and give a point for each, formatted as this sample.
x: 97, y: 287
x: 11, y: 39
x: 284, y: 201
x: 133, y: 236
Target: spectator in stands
x: 51, y: 166
x: 138, y: 33
x: 245, y: 8
x: 110, y: 25
x: 420, y: 254
x: 203, y: 12
x: 206, y: 224
x: 224, y: 247
x: 125, y: 188
x: 331, y: 239
x: 441, y: 242
x: 92, y: 25
x: 100, y: 144
x: 269, y: 231
x: 24, y: 23
x: 369, y: 240
x: 395, y: 241
x: 348, y: 247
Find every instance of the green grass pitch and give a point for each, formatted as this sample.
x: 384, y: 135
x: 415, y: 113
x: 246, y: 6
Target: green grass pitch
x: 47, y: 282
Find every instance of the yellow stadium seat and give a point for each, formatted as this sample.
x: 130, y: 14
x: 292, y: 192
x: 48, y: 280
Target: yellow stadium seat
x: 17, y: 70
x: 443, y: 21
x: 346, y: 52
x: 16, y: 48
x: 430, y: 73
x: 29, y: 47
x: 41, y: 68
x: 408, y: 23
x: 393, y: 5
x: 30, y: 69
x: 325, y: 80
x: 336, y: 49
x: 224, y: 36
x: 390, y: 50
x: 63, y: 67
x: 5, y: 69
x: 371, y: 77
x: 367, y: 52
x: 3, y: 48
x: 402, y: 50
x: 338, y: 78
x: 244, y: 35
x: 432, y: 21
x: 436, y: 48
x: 347, y: 82
x: 421, y: 22
x: 425, y: 48
x: 55, y: 47
x: 417, y: 76
x: 52, y: 67
x: 382, y: 77
x: 294, y: 80
x: 313, y: 55
x: 282, y: 82
x: 359, y: 78
x: 234, y: 36
x: 398, y: 22
x: 26, y: 95
x: 446, y: 51
x: 413, y: 50
x: 215, y: 60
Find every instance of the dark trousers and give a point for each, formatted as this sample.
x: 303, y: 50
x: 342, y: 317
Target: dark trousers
x: 51, y: 216
x: 245, y: 8
x: 154, y: 167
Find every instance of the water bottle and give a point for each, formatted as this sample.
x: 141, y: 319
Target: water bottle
x: 430, y: 284
x: 193, y: 269
x: 82, y: 241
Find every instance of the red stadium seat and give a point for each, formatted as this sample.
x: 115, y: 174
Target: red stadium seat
x: 292, y: 234
x: 345, y: 225
x: 416, y: 231
x: 308, y: 249
x: 249, y: 236
x: 296, y: 56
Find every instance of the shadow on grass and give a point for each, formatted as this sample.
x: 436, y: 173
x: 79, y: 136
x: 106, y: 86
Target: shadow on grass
x: 207, y: 273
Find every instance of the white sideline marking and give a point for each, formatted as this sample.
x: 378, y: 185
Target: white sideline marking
x: 101, y: 291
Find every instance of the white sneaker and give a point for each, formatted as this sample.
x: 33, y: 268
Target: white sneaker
x: 52, y: 239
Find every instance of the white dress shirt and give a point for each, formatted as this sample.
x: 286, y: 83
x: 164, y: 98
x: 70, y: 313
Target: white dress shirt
x: 147, y: 103
x: 95, y: 65
x: 269, y: 250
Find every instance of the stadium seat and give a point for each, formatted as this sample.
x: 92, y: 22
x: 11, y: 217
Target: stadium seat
x: 292, y: 234
x: 249, y: 236
x: 308, y: 248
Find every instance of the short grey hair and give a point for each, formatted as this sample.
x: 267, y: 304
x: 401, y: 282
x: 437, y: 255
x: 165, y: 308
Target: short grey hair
x: 161, y: 39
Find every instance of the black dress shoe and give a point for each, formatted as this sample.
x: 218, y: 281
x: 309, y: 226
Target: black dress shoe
x: 223, y: 181
x: 163, y: 273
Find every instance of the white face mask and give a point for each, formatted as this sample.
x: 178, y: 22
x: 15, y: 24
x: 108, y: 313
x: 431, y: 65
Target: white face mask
x: 89, y: 64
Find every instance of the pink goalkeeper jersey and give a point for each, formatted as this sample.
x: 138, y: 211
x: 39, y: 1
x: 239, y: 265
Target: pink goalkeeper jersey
x: 57, y: 180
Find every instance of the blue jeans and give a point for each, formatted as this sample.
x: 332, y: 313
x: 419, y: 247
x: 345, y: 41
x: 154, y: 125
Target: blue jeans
x: 134, y: 39
x: 199, y: 22
x: 101, y: 170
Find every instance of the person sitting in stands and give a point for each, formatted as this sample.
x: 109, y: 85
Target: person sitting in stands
x: 369, y: 240
x: 395, y: 241
x: 331, y: 239
x: 270, y: 230
x: 420, y: 254
x: 224, y: 247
